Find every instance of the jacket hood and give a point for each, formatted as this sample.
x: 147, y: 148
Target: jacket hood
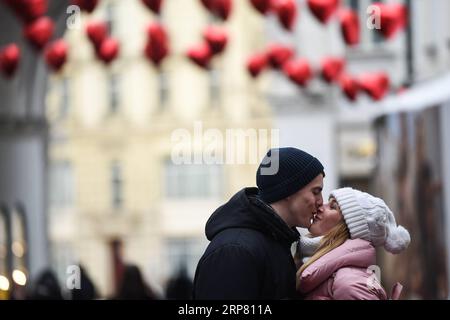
x: 246, y: 210
x: 352, y: 253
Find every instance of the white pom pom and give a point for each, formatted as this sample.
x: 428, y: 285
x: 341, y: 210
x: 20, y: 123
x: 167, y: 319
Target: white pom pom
x: 397, y: 240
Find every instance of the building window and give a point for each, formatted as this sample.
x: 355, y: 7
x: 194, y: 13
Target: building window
x: 62, y: 256
x: 116, y: 185
x: 110, y: 13
x: 163, y: 89
x: 62, y: 184
x: 64, y: 102
x: 114, y: 94
x: 354, y: 4
x: 184, y: 253
x: 193, y: 180
x: 214, y: 87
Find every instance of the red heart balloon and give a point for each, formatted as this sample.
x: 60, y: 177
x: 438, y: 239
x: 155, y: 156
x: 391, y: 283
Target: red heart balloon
x: 157, y: 32
x: 86, y: 5
x: 39, y: 32
x: 108, y: 50
x: 222, y: 8
x: 156, y: 52
x: 278, y: 54
x: 393, y: 18
x: 331, y: 68
x: 157, y: 47
x: 299, y: 71
x: 28, y: 10
x: 216, y: 38
x: 200, y: 54
x: 376, y: 85
x: 154, y: 5
x: 56, y: 54
x: 262, y: 6
x: 323, y: 9
x: 349, y: 86
x: 256, y: 63
x: 286, y: 10
x: 9, y: 59
x: 350, y: 28
x: 15, y: 5
x: 208, y: 4
x: 97, y: 31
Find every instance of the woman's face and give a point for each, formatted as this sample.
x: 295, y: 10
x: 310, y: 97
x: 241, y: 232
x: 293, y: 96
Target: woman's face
x: 326, y: 218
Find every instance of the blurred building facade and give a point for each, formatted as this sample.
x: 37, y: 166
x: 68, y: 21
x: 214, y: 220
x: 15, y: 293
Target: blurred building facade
x: 115, y: 194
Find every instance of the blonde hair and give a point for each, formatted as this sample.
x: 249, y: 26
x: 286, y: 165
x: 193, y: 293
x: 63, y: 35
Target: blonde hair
x: 331, y: 240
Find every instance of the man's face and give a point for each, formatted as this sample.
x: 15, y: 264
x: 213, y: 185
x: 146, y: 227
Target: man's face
x: 306, y: 202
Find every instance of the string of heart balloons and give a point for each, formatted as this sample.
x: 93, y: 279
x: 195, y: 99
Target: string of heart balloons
x: 38, y: 29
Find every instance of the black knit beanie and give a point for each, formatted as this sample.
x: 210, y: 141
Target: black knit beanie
x: 284, y: 171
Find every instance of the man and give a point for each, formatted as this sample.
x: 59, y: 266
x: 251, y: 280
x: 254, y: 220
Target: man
x: 249, y: 256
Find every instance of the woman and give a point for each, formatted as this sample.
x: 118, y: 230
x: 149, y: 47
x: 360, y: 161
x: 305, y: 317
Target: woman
x: 346, y: 233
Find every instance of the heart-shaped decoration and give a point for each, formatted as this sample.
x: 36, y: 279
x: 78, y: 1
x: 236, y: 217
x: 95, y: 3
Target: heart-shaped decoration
x: 208, y: 4
x: 286, y: 11
x: 28, y: 10
x: 9, y: 59
x: 350, y: 27
x: 157, y: 47
x: 331, y: 68
x: 154, y: 5
x: 278, y: 54
x: 108, y: 50
x: 262, y: 6
x: 39, y: 32
x: 86, y: 5
x: 299, y: 71
x: 323, y: 9
x: 349, y: 86
x: 56, y: 54
x: 219, y: 8
x: 376, y: 85
x: 200, y: 54
x: 393, y: 18
x: 222, y: 8
x: 216, y: 37
x: 97, y: 31
x: 256, y: 63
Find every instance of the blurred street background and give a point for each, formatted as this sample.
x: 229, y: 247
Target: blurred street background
x: 97, y: 99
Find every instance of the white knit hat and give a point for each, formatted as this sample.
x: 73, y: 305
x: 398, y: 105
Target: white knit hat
x: 369, y: 218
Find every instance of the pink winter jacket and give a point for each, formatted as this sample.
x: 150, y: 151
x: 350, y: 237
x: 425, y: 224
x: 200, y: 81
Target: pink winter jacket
x: 342, y: 274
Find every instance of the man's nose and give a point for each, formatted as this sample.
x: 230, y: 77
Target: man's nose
x: 320, y: 201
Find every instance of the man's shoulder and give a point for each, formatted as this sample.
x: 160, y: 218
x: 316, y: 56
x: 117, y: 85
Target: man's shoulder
x: 245, y: 239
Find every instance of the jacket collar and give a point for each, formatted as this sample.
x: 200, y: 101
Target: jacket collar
x: 352, y: 253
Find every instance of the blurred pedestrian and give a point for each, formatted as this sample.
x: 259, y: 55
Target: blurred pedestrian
x: 133, y: 286
x: 180, y: 286
x: 87, y: 290
x: 46, y: 287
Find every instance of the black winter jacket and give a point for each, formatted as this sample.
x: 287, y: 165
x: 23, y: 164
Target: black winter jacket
x: 249, y: 256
